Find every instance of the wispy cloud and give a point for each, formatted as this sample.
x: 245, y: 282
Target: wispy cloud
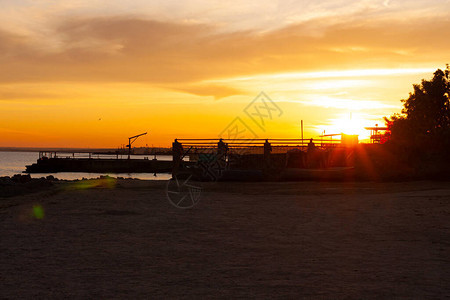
x: 131, y: 49
x: 349, y: 104
x: 329, y: 74
x: 216, y: 91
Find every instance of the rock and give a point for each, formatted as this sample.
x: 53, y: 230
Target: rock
x: 6, y: 181
x: 22, y: 184
x: 19, y: 178
x: 51, y: 178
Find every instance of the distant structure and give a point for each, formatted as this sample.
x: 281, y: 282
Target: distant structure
x: 346, y: 140
x: 377, y: 134
x: 349, y: 140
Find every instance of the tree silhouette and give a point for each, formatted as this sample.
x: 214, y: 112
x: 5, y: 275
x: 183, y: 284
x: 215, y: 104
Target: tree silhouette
x: 425, y: 118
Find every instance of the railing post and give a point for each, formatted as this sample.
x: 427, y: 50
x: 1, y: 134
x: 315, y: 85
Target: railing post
x: 267, y: 151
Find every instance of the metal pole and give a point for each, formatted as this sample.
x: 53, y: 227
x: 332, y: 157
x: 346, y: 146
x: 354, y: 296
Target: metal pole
x: 302, y: 132
x: 129, y: 147
x: 321, y: 141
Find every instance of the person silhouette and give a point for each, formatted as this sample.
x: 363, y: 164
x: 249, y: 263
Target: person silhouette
x: 311, y: 145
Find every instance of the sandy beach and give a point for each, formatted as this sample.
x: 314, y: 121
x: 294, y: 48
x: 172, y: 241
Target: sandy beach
x: 123, y: 239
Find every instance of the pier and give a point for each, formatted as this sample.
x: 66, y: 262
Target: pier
x: 217, y: 159
x: 52, y: 162
x: 236, y: 159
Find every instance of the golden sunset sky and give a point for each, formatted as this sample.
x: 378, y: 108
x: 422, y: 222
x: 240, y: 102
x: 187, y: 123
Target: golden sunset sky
x: 92, y: 73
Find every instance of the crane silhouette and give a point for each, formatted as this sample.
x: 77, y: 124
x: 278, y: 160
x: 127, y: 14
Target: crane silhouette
x: 131, y: 140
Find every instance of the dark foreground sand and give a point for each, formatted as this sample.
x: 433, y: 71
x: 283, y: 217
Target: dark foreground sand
x: 287, y: 240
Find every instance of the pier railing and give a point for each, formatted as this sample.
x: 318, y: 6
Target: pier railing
x: 257, y: 145
x: 216, y: 155
x: 89, y: 155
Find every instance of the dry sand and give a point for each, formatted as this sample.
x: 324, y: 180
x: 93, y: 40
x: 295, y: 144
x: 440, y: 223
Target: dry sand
x: 286, y: 240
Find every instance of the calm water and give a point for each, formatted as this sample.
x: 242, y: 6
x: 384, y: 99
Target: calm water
x: 14, y: 163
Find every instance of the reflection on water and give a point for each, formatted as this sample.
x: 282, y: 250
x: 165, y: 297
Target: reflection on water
x: 14, y: 163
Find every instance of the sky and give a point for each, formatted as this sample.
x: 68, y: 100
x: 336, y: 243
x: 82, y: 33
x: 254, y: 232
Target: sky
x: 93, y: 73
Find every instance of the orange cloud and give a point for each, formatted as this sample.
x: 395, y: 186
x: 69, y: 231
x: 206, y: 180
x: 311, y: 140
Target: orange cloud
x: 124, y: 49
x: 216, y: 91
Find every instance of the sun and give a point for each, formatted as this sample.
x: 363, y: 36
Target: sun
x: 349, y: 126
x: 352, y: 124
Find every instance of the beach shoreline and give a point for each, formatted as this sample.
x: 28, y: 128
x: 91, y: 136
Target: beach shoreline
x: 121, y: 238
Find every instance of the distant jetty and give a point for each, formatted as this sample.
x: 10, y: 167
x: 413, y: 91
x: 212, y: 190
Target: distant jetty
x: 94, y: 163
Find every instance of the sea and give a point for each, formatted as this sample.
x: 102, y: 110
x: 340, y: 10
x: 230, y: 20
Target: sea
x: 12, y: 163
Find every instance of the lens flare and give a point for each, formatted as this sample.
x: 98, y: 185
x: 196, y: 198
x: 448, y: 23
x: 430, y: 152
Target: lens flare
x: 102, y: 182
x: 38, y: 212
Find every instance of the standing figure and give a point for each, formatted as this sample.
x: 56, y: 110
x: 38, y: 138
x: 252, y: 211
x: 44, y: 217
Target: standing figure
x: 267, y: 151
x: 177, y: 153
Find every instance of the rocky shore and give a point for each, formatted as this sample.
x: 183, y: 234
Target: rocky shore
x: 23, y: 184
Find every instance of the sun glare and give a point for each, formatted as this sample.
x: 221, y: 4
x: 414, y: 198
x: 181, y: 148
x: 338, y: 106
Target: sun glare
x: 352, y: 124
